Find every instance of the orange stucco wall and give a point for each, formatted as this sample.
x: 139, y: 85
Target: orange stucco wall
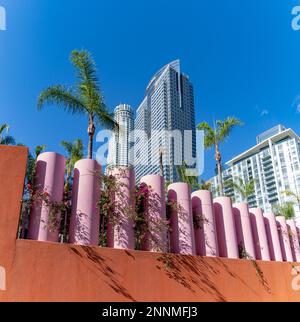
x: 53, y: 272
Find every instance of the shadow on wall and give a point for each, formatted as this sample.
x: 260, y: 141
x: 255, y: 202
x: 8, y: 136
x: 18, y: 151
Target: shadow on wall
x: 100, y: 263
x: 195, y: 273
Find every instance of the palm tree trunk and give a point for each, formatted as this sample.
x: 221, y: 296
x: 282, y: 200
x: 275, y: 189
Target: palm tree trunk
x: 161, y: 165
x: 219, y: 168
x: 91, y: 132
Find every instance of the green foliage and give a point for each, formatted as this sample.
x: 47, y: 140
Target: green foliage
x: 215, y: 135
x: 293, y: 195
x: 6, y: 139
x: 286, y: 209
x: 30, y: 171
x: 219, y: 132
x: 74, y: 153
x: 184, y: 177
x: 244, y: 189
x: 84, y: 97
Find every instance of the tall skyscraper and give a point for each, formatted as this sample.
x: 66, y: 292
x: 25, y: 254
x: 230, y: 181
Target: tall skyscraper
x: 168, y: 106
x: 274, y: 164
x: 120, y: 144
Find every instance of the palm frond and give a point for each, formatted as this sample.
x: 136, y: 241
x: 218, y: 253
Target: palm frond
x: 62, y: 96
x: 86, y: 69
x: 285, y: 209
x: 8, y: 140
x: 4, y: 127
x: 68, y: 146
x: 209, y: 134
x: 292, y: 194
x: 225, y: 128
x: 39, y: 149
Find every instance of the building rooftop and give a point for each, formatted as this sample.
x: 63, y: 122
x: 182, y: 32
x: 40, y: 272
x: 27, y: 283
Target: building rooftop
x: 174, y: 64
x: 269, y: 133
x: 278, y: 136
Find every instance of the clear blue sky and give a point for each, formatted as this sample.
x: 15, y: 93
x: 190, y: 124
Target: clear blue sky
x: 242, y: 56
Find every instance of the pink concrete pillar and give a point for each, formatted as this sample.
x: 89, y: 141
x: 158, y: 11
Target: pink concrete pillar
x: 50, y: 171
x: 182, y: 226
x: 244, y: 230
x: 155, y: 213
x: 259, y: 234
x: 205, y: 230
x: 85, y: 219
x: 294, y: 240
x: 284, y: 239
x: 273, y: 237
x: 226, y: 232
x: 120, y: 231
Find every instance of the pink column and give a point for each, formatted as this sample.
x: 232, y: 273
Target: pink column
x: 85, y: 219
x: 294, y: 240
x: 120, y: 231
x: 182, y: 234
x: 273, y: 237
x: 205, y: 231
x: 259, y: 234
x: 226, y: 232
x: 50, y: 171
x: 244, y: 230
x: 155, y: 214
x: 284, y: 239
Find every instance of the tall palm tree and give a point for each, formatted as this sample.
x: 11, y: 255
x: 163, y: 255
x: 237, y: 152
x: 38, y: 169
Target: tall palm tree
x: 6, y: 139
x: 216, y: 135
x: 84, y: 97
x: 244, y: 189
x: 75, y: 153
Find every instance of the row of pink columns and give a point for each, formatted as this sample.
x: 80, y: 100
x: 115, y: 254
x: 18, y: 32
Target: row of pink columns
x: 199, y: 225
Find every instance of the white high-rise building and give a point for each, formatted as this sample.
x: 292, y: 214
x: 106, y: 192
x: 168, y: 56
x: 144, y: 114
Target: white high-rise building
x: 121, y: 142
x: 168, y: 106
x: 274, y: 165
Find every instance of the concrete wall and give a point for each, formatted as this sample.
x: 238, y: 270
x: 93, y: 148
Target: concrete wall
x: 41, y: 271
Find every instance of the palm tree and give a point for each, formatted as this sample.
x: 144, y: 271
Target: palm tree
x: 293, y: 195
x: 244, y: 189
x: 30, y: 172
x: 6, y: 139
x: 286, y: 209
x: 190, y: 180
x: 216, y: 135
x: 84, y: 97
x: 75, y: 153
x: 161, y: 164
x: 205, y: 185
x: 30, y: 182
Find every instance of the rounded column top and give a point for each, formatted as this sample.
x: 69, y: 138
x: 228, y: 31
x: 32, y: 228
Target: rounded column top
x: 49, y: 155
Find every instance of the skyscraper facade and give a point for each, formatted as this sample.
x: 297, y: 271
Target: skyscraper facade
x: 167, y: 116
x: 120, y: 145
x: 274, y: 165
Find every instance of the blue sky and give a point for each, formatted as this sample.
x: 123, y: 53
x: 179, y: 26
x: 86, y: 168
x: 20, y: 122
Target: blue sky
x: 242, y: 56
